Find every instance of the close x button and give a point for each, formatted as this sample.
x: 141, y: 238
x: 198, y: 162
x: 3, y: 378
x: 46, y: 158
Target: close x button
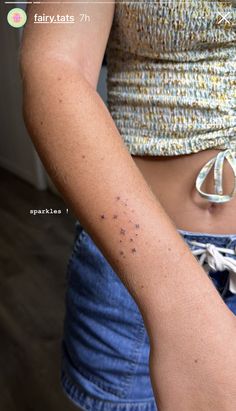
x: 226, y: 19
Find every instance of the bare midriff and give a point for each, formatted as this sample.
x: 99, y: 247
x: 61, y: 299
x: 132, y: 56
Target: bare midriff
x: 172, y: 180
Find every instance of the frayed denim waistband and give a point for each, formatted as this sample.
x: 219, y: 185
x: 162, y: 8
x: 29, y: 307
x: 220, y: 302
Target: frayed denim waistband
x: 215, y: 252
x: 196, y: 234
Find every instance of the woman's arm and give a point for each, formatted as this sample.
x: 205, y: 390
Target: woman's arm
x: 84, y: 154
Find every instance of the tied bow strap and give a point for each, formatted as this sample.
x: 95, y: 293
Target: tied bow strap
x: 211, y: 255
x: 218, y: 162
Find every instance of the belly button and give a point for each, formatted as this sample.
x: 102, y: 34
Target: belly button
x: 213, y: 207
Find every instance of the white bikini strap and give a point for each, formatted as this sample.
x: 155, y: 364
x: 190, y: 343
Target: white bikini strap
x: 217, y: 162
x: 211, y: 255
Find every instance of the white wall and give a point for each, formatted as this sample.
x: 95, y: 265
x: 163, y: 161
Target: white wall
x: 17, y: 153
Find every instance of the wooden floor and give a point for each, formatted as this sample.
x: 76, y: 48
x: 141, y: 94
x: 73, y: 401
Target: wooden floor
x: 33, y: 257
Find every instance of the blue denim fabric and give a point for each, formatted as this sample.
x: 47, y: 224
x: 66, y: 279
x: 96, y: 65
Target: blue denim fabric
x: 105, y: 346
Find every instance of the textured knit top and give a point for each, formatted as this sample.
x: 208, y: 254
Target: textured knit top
x: 172, y: 75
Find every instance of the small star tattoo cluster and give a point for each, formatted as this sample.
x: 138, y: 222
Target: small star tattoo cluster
x: 122, y: 230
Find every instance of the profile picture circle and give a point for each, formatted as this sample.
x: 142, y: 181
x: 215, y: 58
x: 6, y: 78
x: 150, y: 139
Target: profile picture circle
x: 17, y: 17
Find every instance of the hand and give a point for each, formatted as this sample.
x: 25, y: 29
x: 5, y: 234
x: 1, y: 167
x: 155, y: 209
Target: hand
x: 193, y: 366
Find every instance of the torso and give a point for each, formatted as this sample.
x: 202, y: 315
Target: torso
x: 172, y: 180
x: 182, y: 61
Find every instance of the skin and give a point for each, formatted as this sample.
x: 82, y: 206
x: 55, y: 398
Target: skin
x: 184, y: 205
x: 82, y: 151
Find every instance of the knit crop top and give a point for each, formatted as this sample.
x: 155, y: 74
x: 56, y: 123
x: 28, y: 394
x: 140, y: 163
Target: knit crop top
x: 171, y: 80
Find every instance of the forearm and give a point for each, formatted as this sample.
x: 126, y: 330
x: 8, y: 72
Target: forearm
x: 84, y: 154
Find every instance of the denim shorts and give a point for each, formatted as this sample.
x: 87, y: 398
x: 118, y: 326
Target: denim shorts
x: 105, y: 346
